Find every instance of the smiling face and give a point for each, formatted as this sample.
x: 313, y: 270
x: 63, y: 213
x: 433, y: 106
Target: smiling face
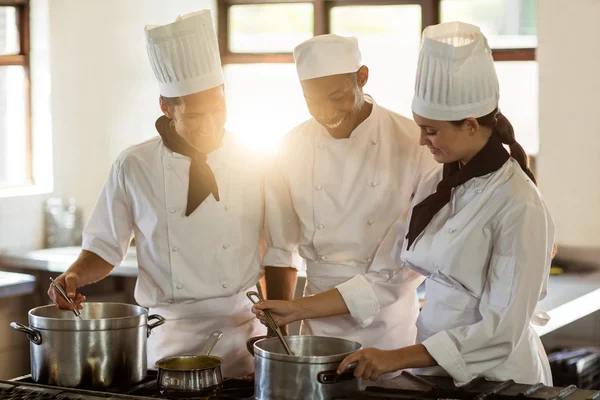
x: 449, y: 142
x: 199, y: 118
x: 336, y: 101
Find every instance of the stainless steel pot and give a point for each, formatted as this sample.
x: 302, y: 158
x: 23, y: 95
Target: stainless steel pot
x: 107, y: 346
x: 309, y: 374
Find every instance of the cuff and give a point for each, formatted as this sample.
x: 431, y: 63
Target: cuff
x: 443, y: 350
x: 105, y: 251
x: 275, y: 257
x: 360, y: 299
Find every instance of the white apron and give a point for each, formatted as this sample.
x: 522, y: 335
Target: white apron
x: 188, y: 326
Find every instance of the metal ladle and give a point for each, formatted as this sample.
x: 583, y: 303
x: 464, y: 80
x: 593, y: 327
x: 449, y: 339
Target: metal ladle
x: 270, y: 321
x: 62, y: 293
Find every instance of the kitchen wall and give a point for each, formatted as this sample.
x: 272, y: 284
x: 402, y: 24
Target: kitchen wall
x: 569, y: 160
x: 103, y: 97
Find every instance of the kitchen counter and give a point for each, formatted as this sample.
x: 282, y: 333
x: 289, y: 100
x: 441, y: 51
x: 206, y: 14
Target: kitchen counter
x: 13, y: 284
x: 59, y: 259
x: 571, y: 296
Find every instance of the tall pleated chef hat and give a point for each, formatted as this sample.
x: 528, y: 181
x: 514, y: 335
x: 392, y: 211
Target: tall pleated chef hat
x: 456, y: 78
x: 326, y: 55
x: 185, y: 55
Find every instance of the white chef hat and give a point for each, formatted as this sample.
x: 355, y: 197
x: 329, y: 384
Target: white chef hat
x: 456, y: 78
x: 326, y: 55
x: 185, y: 55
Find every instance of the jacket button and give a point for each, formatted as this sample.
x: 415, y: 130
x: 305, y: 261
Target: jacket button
x: 369, y: 259
x: 370, y: 222
x: 225, y: 285
x: 227, y: 208
x: 321, y: 145
x: 320, y: 226
x: 318, y: 187
x: 479, y: 191
x: 168, y: 167
x: 451, y: 230
x: 374, y: 142
x: 172, y: 211
x: 180, y: 286
x: 323, y: 258
x: 374, y: 183
x: 175, y: 248
x: 225, y: 246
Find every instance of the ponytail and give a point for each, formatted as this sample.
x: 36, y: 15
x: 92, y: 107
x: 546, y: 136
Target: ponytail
x: 505, y: 132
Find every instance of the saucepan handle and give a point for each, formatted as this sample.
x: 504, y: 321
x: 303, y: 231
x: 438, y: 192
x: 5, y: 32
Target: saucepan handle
x: 159, y: 321
x: 331, y: 376
x: 33, y: 335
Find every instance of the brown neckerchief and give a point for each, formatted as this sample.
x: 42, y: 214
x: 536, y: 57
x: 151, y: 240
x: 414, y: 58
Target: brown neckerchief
x: 202, y: 179
x: 489, y: 159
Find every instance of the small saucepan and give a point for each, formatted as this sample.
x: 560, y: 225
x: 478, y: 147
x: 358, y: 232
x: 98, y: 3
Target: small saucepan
x: 191, y: 373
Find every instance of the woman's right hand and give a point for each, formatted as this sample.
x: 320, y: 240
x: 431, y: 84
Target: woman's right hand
x: 284, y: 312
x: 69, y: 281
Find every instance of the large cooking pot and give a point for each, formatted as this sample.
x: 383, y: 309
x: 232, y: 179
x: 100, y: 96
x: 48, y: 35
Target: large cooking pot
x: 106, y: 346
x: 309, y: 374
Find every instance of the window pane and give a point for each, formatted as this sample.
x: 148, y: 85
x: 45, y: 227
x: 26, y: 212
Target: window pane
x: 264, y: 101
x: 519, y: 100
x: 389, y: 40
x: 9, y: 33
x: 506, y: 23
x: 269, y: 28
x: 13, y: 134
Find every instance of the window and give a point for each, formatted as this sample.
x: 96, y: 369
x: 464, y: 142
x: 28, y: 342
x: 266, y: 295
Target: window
x: 257, y: 37
x: 15, y: 143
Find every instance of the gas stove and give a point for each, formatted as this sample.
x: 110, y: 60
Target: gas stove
x: 405, y: 386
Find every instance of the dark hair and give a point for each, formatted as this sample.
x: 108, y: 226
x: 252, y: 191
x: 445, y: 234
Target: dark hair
x: 503, y: 129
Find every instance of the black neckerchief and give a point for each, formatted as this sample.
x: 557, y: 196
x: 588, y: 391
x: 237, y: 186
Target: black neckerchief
x: 202, y: 179
x: 489, y: 159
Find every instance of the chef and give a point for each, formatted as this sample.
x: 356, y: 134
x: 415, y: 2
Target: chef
x: 342, y: 179
x: 479, y: 229
x: 192, y: 197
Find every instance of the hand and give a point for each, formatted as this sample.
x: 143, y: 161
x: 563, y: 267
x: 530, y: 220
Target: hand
x: 69, y: 281
x: 371, y: 363
x: 284, y: 312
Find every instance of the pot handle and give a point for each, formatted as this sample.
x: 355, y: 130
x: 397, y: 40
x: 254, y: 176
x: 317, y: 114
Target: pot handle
x: 159, y: 321
x: 331, y: 376
x: 33, y: 335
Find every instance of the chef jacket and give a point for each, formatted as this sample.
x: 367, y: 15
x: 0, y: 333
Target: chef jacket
x: 486, y: 256
x: 185, y: 263
x: 332, y: 201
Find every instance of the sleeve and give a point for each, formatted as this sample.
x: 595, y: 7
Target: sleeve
x: 109, y: 229
x: 385, y: 281
x: 518, y: 269
x: 282, y: 225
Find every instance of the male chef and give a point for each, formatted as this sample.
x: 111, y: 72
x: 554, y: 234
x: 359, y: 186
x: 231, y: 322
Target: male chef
x: 343, y: 178
x: 192, y: 197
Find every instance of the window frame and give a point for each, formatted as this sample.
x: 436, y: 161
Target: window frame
x: 430, y: 15
x: 22, y: 59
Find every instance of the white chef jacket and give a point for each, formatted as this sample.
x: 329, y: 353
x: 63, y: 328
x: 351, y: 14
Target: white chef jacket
x: 194, y: 270
x: 486, y: 255
x: 333, y: 201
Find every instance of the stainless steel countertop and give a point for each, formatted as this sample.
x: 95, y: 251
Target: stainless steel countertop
x: 13, y: 284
